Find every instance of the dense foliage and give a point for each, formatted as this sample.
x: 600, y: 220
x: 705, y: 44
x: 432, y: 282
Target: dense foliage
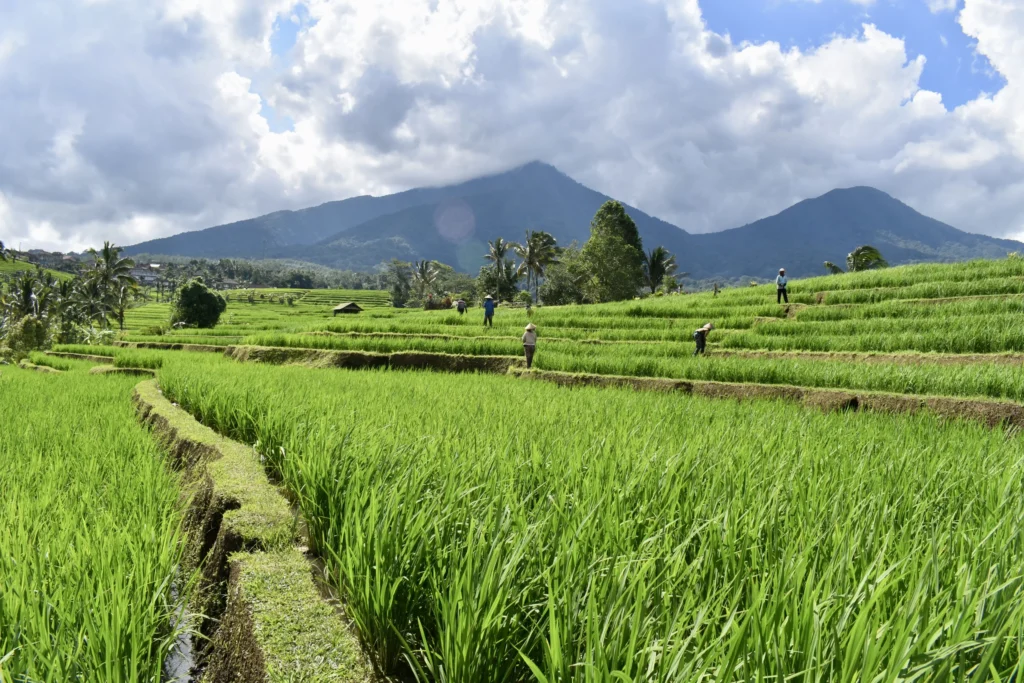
x: 197, y: 305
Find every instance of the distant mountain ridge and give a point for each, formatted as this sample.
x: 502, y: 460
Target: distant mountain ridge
x: 452, y: 224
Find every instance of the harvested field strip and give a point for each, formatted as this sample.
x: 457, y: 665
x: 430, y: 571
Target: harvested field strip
x: 90, y: 543
x: 554, y: 521
x: 265, y: 618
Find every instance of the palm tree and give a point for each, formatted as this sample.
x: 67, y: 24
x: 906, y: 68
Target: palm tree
x: 658, y: 263
x: 23, y: 299
x: 864, y: 257
x: 122, y: 298
x: 92, y: 302
x: 109, y: 269
x: 539, y: 251
x: 497, y: 250
x: 424, y: 274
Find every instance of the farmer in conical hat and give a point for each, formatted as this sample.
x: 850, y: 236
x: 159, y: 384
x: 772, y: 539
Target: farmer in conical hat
x: 488, y: 311
x: 701, y: 337
x: 530, y: 344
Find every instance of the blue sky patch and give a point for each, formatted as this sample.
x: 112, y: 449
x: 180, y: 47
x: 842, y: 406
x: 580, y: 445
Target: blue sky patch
x: 953, y: 69
x: 286, y: 29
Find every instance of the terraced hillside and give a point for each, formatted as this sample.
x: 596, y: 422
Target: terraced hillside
x: 834, y: 492
x: 921, y: 330
x: 12, y: 267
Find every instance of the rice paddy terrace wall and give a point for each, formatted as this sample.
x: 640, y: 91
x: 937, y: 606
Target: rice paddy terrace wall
x: 265, y: 619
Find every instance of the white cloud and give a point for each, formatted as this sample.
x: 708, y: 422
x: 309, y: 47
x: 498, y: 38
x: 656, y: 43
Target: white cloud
x: 942, y: 5
x: 136, y: 118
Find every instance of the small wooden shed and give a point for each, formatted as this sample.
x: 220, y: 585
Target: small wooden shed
x: 348, y: 307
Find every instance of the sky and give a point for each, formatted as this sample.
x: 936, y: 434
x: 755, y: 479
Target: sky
x: 126, y: 120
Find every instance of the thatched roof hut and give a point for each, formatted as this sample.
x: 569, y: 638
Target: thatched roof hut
x: 347, y: 307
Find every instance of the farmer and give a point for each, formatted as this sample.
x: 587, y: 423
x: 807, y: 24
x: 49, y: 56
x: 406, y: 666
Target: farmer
x: 460, y: 305
x: 530, y: 344
x: 780, y: 284
x: 488, y: 311
x: 701, y: 337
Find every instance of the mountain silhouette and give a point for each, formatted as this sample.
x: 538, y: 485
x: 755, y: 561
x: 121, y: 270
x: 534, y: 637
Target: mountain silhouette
x: 453, y: 224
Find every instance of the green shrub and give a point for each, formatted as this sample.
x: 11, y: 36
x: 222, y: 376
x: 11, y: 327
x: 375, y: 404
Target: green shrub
x: 197, y: 305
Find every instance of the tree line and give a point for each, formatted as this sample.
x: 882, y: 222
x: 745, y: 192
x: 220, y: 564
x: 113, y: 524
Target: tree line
x: 37, y: 308
x: 611, y: 265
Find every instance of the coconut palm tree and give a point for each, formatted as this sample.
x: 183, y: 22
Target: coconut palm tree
x: 23, y: 298
x: 92, y: 302
x: 497, y: 251
x: 424, y: 275
x: 832, y: 268
x: 109, y: 269
x: 539, y: 251
x: 121, y: 300
x: 658, y: 263
x: 864, y: 257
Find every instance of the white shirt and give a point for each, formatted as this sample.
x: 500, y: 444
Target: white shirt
x: 530, y: 339
x: 781, y: 281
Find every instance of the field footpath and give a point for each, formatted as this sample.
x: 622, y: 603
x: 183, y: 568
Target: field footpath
x: 264, y: 616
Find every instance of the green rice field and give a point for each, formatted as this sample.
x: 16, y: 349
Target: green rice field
x: 603, y: 533
x: 90, y: 542
x: 475, y: 526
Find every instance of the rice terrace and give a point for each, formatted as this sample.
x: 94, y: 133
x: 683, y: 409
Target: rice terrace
x: 833, y: 491
x: 511, y: 341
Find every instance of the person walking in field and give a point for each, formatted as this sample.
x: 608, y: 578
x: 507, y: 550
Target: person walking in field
x: 780, y: 284
x: 701, y: 338
x: 460, y: 306
x: 488, y: 311
x: 530, y: 344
